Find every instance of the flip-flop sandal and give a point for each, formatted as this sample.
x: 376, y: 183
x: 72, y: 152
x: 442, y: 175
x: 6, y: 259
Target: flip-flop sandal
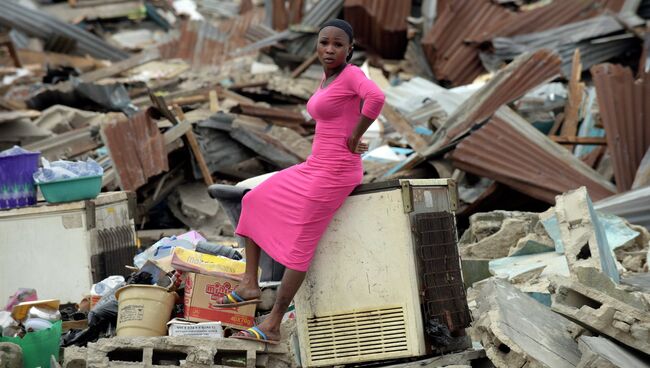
x: 234, y: 300
x: 255, y: 334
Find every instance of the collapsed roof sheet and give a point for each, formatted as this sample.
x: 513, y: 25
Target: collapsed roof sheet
x: 380, y: 25
x: 623, y: 103
x: 451, y: 58
x: 515, y: 80
x: 39, y: 24
x: 510, y: 150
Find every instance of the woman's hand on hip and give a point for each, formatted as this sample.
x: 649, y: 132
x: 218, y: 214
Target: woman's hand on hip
x: 357, y: 146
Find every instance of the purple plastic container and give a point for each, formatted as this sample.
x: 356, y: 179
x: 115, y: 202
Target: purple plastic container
x: 17, y: 188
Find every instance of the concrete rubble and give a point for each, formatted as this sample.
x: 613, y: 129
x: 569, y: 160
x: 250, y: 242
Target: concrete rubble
x: 517, y: 331
x: 534, y: 108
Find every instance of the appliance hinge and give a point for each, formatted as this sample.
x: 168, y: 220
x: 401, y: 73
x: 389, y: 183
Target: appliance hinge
x: 407, y: 196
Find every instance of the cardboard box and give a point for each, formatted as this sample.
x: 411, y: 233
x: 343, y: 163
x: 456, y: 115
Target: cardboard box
x: 202, y: 291
x: 181, y: 327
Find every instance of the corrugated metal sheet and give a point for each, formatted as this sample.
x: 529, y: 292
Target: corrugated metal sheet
x: 137, y: 149
x: 201, y: 43
x: 451, y: 58
x: 625, y: 112
x: 555, y: 14
x: 379, y: 25
x: 319, y: 14
x: 39, y: 24
x: 515, y: 80
x: 565, y: 39
x: 511, y: 151
x: 634, y: 206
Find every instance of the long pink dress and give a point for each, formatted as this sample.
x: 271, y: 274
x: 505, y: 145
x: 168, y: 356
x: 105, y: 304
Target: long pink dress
x: 288, y: 213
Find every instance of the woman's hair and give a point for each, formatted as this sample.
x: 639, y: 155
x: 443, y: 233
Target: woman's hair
x: 345, y: 27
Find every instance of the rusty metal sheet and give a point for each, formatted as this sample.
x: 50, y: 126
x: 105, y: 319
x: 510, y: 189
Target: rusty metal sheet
x: 379, y: 25
x: 136, y: 148
x: 522, y: 75
x: 451, y: 58
x: 554, y: 14
x: 625, y: 112
x: 201, y: 43
x: 509, y: 150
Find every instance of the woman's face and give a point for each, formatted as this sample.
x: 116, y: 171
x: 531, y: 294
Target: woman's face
x: 333, y: 47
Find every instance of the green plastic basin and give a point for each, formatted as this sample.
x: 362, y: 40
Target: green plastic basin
x: 70, y: 190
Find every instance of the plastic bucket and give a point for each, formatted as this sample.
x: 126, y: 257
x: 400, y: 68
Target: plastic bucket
x: 143, y: 310
x: 17, y: 188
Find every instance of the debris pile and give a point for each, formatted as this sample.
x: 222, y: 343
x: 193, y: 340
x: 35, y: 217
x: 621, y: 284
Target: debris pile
x: 578, y: 276
x: 525, y: 104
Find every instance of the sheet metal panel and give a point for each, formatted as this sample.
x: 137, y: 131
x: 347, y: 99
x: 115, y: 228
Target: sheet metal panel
x: 509, y: 150
x: 625, y: 112
x: 379, y: 25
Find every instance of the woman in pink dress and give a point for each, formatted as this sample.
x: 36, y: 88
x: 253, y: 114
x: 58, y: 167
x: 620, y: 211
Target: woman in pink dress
x: 288, y: 213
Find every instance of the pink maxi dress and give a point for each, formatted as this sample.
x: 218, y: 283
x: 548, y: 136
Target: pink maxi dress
x: 287, y: 214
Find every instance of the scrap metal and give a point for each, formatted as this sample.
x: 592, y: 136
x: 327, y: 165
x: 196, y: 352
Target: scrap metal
x: 38, y: 24
x: 623, y: 102
x: 379, y: 25
x: 511, y: 151
x: 634, y: 206
x: 587, y: 35
x: 451, y: 58
x: 515, y: 80
x: 136, y: 148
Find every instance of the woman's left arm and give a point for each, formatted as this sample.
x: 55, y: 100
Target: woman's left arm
x: 373, y: 101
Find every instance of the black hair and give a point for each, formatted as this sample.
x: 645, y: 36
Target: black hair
x: 345, y: 27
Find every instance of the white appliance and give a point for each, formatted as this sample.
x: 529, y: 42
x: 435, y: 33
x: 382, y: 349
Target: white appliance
x: 62, y: 249
x: 386, y: 268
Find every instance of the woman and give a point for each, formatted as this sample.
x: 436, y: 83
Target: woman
x: 288, y: 213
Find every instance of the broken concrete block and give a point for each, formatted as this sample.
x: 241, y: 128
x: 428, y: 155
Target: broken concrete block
x: 532, y: 244
x: 171, y: 351
x: 192, y: 205
x: 597, y: 303
x: 599, y: 352
x: 584, y: 238
x: 75, y: 357
x: 498, y: 244
x: 482, y: 225
x: 524, y: 268
x: 517, y: 331
x: 11, y: 355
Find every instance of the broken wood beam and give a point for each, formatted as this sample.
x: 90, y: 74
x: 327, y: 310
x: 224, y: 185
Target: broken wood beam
x: 114, y: 69
x: 305, y: 64
x: 572, y: 107
x: 196, y: 150
x: 405, y: 129
x: 579, y: 140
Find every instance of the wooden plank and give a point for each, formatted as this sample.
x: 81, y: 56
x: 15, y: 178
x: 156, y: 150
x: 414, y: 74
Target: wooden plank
x: 572, y: 141
x: 305, y: 64
x: 214, y: 101
x: 194, y: 146
x: 557, y: 124
x: 405, y: 129
x: 572, y: 107
x: 114, y: 69
x: 177, y: 131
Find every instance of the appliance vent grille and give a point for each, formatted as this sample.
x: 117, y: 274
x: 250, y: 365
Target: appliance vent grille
x: 376, y: 331
x: 116, y: 248
x: 444, y: 294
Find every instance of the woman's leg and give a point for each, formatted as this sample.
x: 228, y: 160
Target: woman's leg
x: 249, y: 288
x: 291, y: 282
